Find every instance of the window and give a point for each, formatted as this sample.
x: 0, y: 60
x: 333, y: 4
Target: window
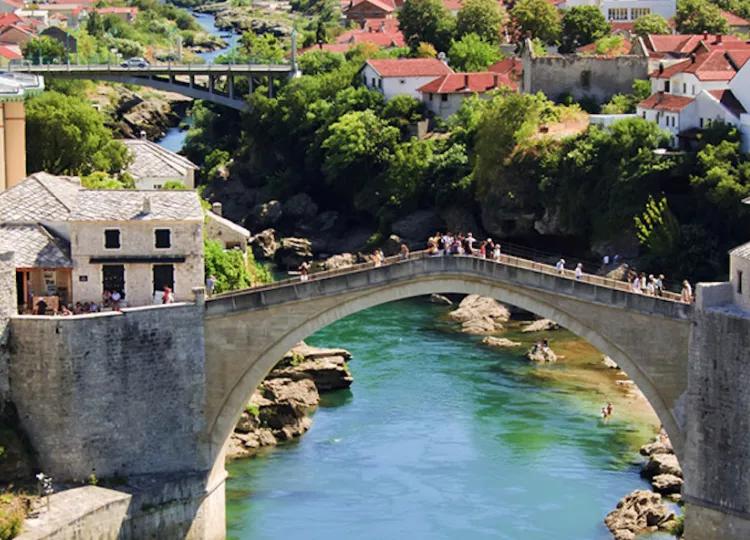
x: 684, y: 88
x: 402, y: 81
x: 666, y: 87
x: 373, y: 82
x: 113, y: 278
x: 364, y: 78
x: 430, y: 97
x: 693, y: 89
x: 586, y: 79
x: 637, y: 13
x: 739, y: 281
x: 443, y: 97
x: 700, y: 122
x: 617, y: 14
x: 157, y: 186
x: 380, y: 83
x: 162, y: 238
x: 112, y: 238
x: 163, y: 275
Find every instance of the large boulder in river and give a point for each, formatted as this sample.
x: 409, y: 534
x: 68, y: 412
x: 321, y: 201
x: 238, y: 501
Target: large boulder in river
x: 541, y: 355
x: 293, y: 251
x: 542, y: 325
x: 662, y: 464
x: 639, y: 512
x: 418, y: 226
x: 667, y: 484
x: 501, y: 343
x: 480, y: 315
x: 264, y: 244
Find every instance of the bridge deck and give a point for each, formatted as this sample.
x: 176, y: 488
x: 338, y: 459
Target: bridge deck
x: 506, y: 269
x: 156, y: 69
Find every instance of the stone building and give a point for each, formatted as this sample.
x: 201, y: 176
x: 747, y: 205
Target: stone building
x: 226, y: 232
x: 153, y: 166
x: 136, y: 242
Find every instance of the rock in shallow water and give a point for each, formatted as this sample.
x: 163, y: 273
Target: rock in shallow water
x: 500, y: 342
x: 641, y: 511
x: 542, y: 325
x: 662, y: 464
x: 480, y: 315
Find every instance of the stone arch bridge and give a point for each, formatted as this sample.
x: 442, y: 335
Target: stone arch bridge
x: 154, y: 393
x: 197, y: 81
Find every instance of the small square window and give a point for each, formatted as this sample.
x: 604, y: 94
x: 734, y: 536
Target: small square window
x: 443, y: 97
x: 163, y: 238
x: 112, y: 239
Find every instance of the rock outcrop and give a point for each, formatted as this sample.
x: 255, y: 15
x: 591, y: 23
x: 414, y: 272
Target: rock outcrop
x: 541, y: 355
x: 641, y: 511
x: 667, y: 484
x: 658, y: 464
x: 265, y: 214
x: 150, y: 111
x: 502, y: 343
x: 480, y: 315
x: 542, y: 325
x: 292, y: 251
x: 299, y: 206
x: 264, y: 244
x: 343, y: 260
x: 278, y: 409
x: 417, y: 226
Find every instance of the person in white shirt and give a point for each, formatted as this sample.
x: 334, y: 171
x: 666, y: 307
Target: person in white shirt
x: 579, y: 271
x: 687, y: 292
x: 560, y: 266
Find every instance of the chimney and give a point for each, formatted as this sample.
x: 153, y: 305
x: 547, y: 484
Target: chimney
x: 661, y: 68
x: 705, y: 35
x: 216, y: 208
x: 719, y: 37
x: 466, y: 80
x: 146, y: 206
x: 495, y: 80
x: 692, y: 58
x: 142, y: 135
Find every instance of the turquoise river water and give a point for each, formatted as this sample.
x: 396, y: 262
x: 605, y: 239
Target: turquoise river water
x: 438, y: 438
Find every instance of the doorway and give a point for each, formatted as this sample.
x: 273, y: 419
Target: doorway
x: 113, y: 278
x: 163, y: 277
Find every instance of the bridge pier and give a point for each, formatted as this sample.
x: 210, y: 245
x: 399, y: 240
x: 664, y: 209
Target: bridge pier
x: 717, y: 449
x: 230, y: 86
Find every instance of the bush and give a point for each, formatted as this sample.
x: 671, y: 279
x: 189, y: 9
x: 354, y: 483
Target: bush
x: 12, y: 514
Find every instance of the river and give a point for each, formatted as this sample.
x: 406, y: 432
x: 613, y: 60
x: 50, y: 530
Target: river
x: 439, y: 438
x: 174, y: 138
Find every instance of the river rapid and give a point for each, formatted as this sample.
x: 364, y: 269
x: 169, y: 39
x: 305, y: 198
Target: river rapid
x: 441, y: 437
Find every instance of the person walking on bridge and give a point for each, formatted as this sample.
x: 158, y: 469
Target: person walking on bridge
x: 687, y: 292
x: 560, y: 266
x: 579, y: 271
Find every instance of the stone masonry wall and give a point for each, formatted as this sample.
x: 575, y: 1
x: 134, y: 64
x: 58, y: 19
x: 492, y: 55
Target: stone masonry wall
x: 7, y: 308
x: 121, y: 394
x: 717, y: 450
x: 582, y: 76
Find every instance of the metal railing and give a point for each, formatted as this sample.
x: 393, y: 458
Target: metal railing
x: 505, y: 259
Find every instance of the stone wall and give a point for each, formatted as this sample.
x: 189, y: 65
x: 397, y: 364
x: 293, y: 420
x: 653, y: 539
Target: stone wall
x: 118, y: 393
x: 582, y: 76
x: 7, y: 308
x: 717, y: 448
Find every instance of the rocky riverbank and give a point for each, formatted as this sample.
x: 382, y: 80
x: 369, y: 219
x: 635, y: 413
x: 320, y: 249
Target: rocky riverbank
x: 279, y: 409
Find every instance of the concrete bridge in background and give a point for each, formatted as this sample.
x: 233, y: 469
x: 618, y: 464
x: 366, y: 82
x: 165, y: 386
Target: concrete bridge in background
x: 152, y: 394
x: 210, y: 82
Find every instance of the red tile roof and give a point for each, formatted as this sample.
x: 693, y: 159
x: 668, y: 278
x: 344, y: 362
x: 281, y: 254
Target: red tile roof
x: 9, y: 18
x: 461, y: 83
x: 116, y: 9
x: 512, y: 67
x: 683, y: 44
x: 387, y: 25
x: 384, y: 5
x: 734, y: 20
x: 14, y: 3
x: 10, y: 54
x: 621, y: 26
x: 453, y: 5
x: 710, y: 66
x: 729, y: 101
x: 409, y: 67
x: 666, y: 102
x: 386, y: 34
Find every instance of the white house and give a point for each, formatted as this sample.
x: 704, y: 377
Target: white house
x: 154, y: 166
x: 627, y: 10
x: 401, y: 76
x: 444, y: 95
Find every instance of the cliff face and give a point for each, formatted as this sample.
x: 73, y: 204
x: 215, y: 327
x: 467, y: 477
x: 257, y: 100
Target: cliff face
x: 278, y: 410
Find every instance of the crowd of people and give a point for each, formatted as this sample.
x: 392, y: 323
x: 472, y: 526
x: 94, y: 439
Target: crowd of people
x: 460, y: 244
x: 111, y: 301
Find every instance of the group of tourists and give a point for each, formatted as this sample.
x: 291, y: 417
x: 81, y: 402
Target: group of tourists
x: 460, y: 244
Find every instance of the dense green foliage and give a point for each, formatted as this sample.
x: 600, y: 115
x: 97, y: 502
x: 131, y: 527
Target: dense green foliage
x: 698, y: 16
x: 12, y: 515
x: 426, y: 21
x: 471, y: 53
x: 232, y: 269
x: 626, y: 103
x: 651, y: 24
x: 537, y: 19
x: 43, y: 50
x: 70, y: 137
x: 582, y: 25
x: 485, y: 18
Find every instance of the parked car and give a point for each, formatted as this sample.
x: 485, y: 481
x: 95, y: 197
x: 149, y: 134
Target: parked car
x: 136, y: 61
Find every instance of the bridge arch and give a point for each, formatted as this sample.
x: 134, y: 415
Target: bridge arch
x: 584, y: 320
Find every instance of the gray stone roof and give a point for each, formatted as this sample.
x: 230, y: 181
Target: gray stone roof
x: 40, y: 197
x: 742, y: 251
x: 224, y: 222
x: 34, y: 246
x: 130, y: 205
x: 152, y: 161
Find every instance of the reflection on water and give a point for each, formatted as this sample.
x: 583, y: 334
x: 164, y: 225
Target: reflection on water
x: 438, y: 438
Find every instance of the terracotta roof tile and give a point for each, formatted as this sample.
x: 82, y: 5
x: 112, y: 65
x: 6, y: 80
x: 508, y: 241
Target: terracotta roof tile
x: 710, y: 66
x: 460, y: 83
x: 666, y: 102
x: 734, y: 20
x: 512, y: 67
x: 409, y: 67
x: 729, y: 101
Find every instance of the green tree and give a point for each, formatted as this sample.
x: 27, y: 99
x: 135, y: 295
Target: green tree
x: 484, y: 18
x: 95, y: 25
x: 698, y: 16
x: 70, y: 137
x: 657, y: 228
x: 723, y: 174
x: 537, y: 19
x: 358, y: 147
x: 426, y: 20
x: 425, y: 50
x: 582, y: 25
x: 651, y: 24
x: 315, y: 62
x: 102, y: 180
x: 471, y: 53
x: 402, y: 111
x: 626, y: 103
x: 263, y: 48
x: 43, y: 50
x: 232, y: 268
